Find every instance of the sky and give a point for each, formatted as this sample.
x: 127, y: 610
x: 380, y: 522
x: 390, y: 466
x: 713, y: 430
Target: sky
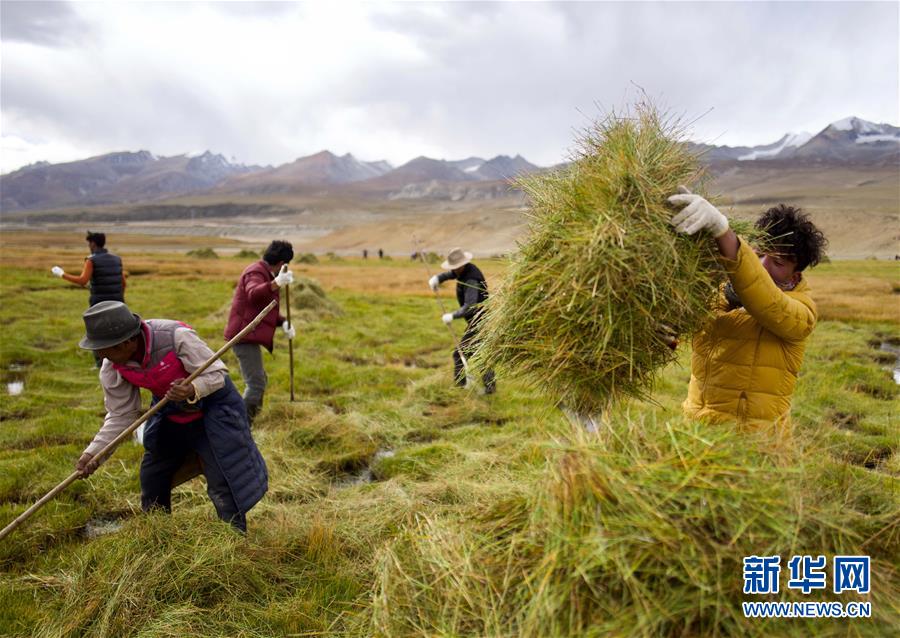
x: 267, y: 82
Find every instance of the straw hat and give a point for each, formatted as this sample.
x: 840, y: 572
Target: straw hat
x: 457, y: 257
x: 107, y: 324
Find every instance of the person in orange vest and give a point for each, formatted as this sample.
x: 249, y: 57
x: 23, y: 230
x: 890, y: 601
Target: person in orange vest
x: 102, y: 270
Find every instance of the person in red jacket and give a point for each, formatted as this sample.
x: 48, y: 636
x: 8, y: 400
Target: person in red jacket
x: 259, y: 284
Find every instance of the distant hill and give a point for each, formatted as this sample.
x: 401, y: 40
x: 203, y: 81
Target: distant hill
x: 112, y: 178
x: 125, y: 178
x: 321, y: 169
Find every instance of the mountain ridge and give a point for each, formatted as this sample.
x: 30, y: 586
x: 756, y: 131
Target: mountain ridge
x: 141, y: 176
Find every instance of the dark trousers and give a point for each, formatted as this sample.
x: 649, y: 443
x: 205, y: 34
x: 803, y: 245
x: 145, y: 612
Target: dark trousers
x: 467, y: 345
x: 178, y: 440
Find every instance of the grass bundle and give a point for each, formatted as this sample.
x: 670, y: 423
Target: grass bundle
x: 601, y: 275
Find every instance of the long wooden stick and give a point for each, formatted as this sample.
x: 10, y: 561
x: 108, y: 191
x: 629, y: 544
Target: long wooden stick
x: 101, y: 456
x: 287, y: 301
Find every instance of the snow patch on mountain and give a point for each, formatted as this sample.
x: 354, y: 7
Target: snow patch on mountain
x: 868, y: 139
x: 790, y: 140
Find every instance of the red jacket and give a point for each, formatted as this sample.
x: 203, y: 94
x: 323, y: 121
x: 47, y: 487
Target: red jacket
x: 252, y: 294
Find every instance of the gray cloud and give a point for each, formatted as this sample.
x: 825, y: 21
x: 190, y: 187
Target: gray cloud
x: 43, y: 23
x: 267, y: 82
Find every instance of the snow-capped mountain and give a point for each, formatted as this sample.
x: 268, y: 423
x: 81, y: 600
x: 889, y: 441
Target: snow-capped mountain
x: 850, y: 140
x: 853, y: 140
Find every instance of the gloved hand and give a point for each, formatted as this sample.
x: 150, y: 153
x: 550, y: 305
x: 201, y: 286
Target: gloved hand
x: 289, y: 330
x: 284, y: 277
x: 59, y: 272
x: 447, y: 317
x: 697, y: 214
x: 433, y: 283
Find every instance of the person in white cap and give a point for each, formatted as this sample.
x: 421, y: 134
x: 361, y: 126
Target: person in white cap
x: 471, y: 293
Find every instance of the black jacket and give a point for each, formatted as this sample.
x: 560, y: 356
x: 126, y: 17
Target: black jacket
x: 471, y: 291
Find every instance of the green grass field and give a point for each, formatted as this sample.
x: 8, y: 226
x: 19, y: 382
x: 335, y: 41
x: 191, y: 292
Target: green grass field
x: 400, y: 506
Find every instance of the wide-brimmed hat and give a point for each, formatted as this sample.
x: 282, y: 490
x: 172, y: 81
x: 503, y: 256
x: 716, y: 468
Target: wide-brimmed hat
x: 108, y: 324
x: 457, y: 257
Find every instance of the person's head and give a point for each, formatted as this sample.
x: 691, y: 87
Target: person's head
x: 456, y: 260
x: 95, y: 240
x: 112, y: 331
x: 278, y: 253
x: 795, y: 244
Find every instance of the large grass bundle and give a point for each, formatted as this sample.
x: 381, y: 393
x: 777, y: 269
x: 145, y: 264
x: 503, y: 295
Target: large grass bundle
x: 644, y: 534
x: 582, y: 309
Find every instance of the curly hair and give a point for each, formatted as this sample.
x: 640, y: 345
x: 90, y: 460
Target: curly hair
x: 794, y: 234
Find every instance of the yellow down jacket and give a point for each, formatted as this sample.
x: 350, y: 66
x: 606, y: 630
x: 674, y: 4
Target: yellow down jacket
x: 745, y: 362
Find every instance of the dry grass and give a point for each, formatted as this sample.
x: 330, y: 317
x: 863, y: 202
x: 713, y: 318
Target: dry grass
x: 853, y: 298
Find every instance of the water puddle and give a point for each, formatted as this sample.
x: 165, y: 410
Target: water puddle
x: 14, y: 376
x: 365, y: 475
x: 101, y: 527
x: 894, y: 349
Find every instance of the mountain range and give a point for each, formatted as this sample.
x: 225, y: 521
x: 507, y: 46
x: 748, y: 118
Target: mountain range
x: 130, y: 177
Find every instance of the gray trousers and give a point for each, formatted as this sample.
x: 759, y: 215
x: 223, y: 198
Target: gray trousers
x: 249, y: 356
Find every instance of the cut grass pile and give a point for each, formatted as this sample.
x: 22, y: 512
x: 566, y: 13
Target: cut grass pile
x: 602, y: 276
x: 309, y: 301
x: 642, y: 534
x: 203, y: 253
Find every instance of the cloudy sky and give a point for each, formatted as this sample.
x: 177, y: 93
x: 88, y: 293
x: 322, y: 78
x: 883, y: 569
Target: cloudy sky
x: 265, y: 83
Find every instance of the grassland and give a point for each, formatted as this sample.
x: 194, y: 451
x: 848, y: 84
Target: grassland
x: 399, y: 505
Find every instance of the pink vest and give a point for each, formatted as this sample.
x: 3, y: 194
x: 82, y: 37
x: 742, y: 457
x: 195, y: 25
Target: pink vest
x: 161, y: 366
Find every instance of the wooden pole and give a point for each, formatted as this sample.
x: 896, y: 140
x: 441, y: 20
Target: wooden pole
x: 287, y: 301
x: 102, y: 455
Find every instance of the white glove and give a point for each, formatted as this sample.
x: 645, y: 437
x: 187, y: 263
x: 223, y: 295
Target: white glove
x: 289, y: 330
x: 697, y: 214
x: 56, y: 270
x: 284, y: 277
x: 447, y: 317
x: 433, y: 283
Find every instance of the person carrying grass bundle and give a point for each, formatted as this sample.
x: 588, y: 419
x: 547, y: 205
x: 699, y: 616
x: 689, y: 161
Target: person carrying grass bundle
x: 205, y: 417
x: 745, y: 361
x: 259, y: 284
x: 471, y: 293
